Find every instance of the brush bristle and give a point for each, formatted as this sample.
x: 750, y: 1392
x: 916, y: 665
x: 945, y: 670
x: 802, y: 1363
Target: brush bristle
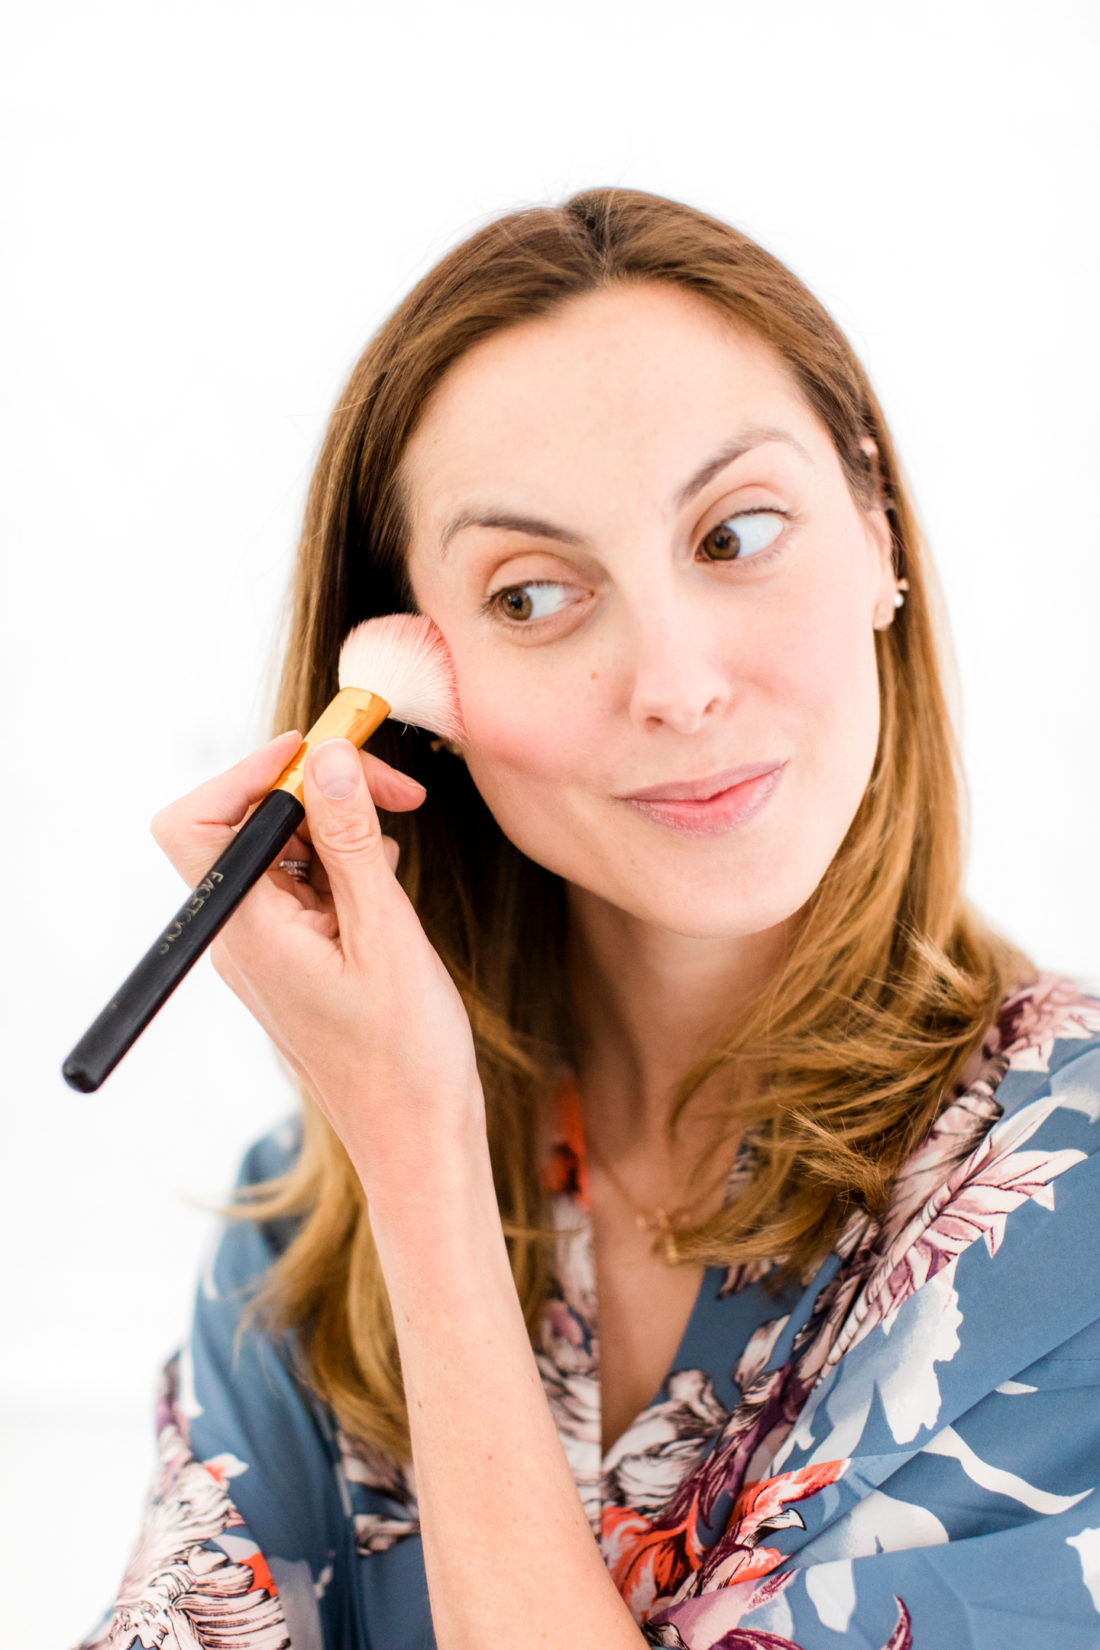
x: 404, y: 659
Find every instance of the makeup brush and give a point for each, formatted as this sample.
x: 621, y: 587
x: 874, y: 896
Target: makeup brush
x: 405, y: 660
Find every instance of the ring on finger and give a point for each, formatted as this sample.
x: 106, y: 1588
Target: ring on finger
x: 296, y: 868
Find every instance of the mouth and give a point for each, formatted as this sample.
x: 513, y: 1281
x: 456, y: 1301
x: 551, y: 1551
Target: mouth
x: 711, y: 805
x: 701, y: 790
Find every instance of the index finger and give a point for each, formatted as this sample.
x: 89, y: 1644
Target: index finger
x: 194, y: 830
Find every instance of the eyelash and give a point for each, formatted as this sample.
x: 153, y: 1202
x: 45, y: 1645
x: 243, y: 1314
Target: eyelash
x: 491, y: 606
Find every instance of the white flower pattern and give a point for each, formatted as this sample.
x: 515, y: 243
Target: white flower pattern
x: 695, y: 1502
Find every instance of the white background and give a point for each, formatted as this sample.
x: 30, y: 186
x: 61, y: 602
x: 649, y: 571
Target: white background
x: 208, y: 207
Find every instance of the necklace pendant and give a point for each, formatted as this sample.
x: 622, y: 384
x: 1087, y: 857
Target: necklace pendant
x: 666, y: 1237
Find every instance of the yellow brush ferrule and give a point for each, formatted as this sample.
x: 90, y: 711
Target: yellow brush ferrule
x: 353, y: 714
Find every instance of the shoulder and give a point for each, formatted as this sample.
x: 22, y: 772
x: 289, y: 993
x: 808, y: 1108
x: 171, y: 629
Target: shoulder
x: 1028, y: 1115
x: 244, y: 1248
x: 1029, y: 1189
x: 242, y: 1388
x: 273, y: 1154
x: 196, y: 1567
x: 992, y: 1238
x: 995, y: 1219
x: 1035, y: 1080
x: 248, y: 1515
x: 1041, y: 1031
x: 1038, y: 1089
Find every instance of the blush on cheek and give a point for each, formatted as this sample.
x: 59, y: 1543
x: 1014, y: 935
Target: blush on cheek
x: 530, y: 713
x: 532, y: 754
x: 829, y: 648
x: 826, y: 675
x: 515, y: 739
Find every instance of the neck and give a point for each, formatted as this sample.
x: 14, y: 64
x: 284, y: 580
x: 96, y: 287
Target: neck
x: 646, y: 1004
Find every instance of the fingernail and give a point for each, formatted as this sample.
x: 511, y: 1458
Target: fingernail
x: 410, y: 783
x: 336, y: 769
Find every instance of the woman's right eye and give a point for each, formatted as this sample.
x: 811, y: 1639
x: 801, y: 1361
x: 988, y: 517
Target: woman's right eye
x: 533, y: 600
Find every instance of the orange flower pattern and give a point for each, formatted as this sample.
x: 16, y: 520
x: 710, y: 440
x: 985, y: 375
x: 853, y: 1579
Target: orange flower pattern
x: 902, y: 1452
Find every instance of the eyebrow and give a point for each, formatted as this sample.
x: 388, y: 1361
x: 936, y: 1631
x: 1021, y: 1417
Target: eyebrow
x: 512, y: 522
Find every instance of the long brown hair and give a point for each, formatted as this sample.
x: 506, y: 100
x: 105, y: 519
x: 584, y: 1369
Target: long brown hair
x: 890, y: 978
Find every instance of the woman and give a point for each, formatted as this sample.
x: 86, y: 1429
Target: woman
x: 661, y: 993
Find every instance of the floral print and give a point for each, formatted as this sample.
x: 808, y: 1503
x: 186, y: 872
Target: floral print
x: 902, y: 1452
x: 184, y: 1589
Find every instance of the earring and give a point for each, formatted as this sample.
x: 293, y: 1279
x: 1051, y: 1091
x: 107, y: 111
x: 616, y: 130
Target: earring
x: 438, y: 745
x: 884, y: 618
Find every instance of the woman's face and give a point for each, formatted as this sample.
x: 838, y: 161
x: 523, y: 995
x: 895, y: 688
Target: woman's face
x: 637, y: 540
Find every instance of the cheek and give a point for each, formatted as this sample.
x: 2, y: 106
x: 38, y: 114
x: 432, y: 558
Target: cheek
x: 838, y: 684
x: 827, y: 661
x: 519, y: 738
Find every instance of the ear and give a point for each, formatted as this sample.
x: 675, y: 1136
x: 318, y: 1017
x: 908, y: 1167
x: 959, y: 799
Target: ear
x: 881, y: 545
x: 449, y: 746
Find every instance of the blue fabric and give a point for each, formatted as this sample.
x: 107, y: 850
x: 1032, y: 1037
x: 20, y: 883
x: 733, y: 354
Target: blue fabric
x: 902, y: 1452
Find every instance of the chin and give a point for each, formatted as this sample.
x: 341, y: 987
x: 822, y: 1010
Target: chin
x: 727, y: 915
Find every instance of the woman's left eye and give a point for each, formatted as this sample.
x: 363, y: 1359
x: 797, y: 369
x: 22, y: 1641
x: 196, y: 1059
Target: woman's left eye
x: 743, y: 536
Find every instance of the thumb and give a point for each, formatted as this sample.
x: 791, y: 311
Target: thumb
x: 346, y: 833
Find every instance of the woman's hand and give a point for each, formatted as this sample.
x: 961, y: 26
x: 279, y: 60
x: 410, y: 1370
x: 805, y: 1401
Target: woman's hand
x: 338, y: 970
x: 341, y: 975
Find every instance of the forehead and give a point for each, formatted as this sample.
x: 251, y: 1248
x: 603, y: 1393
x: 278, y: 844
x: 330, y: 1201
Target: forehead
x: 642, y: 378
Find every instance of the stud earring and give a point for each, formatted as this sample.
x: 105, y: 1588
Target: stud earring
x: 884, y: 617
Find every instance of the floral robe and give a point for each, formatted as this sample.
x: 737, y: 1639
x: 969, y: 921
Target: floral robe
x: 902, y: 1454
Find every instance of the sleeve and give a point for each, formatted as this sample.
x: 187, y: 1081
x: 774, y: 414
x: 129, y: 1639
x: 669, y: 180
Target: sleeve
x: 244, y: 1540
x: 940, y: 1490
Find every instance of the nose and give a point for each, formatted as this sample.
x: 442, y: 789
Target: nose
x: 681, y: 666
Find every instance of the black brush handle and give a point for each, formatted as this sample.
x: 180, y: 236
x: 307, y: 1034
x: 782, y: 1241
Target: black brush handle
x: 179, y: 947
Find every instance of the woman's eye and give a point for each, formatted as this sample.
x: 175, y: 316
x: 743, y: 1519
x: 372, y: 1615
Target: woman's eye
x: 538, y: 599
x: 738, y: 538
x: 743, y: 536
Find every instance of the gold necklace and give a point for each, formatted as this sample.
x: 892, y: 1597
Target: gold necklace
x: 661, y: 1222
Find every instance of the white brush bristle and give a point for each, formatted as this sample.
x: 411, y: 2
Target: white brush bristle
x: 404, y: 659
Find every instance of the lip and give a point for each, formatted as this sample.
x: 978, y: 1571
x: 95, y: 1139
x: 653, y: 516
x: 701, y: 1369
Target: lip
x: 702, y: 790
x: 714, y: 814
